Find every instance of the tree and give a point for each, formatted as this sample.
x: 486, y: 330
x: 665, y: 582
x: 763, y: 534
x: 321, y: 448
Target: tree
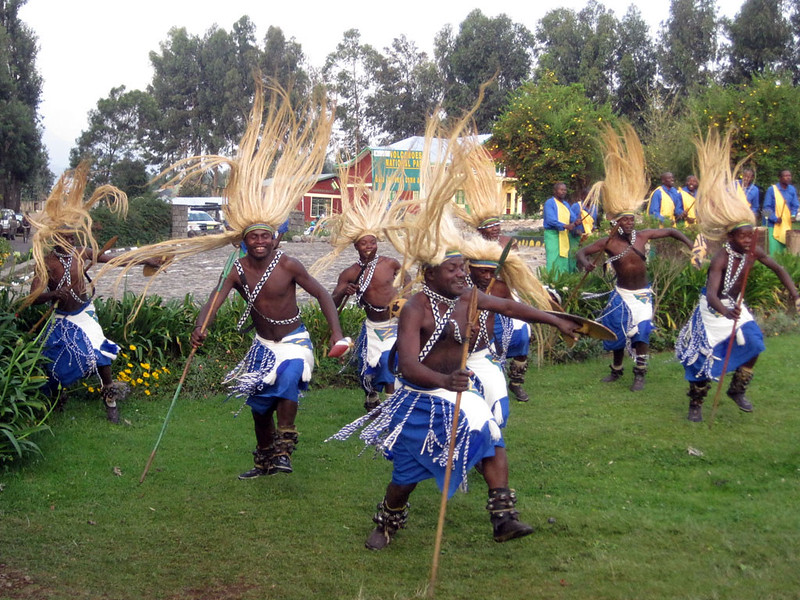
x: 688, y: 45
x: 284, y: 61
x: 760, y: 40
x: 347, y: 72
x: 408, y: 90
x: 794, y: 54
x: 175, y: 88
x: 666, y: 135
x: 21, y: 151
x: 484, y: 48
x: 131, y: 177
x: 547, y: 134
x: 636, y: 66
x: 203, y: 88
x: 767, y: 123
x: 580, y: 48
x: 119, y: 129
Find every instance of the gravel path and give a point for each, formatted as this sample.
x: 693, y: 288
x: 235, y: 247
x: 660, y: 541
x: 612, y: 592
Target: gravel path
x: 199, y: 275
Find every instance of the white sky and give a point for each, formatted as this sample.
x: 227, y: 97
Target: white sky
x: 87, y: 47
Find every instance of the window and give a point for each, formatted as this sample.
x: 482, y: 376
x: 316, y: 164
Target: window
x: 320, y: 206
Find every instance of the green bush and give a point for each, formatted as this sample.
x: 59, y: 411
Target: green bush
x: 161, y: 327
x: 24, y: 409
x: 149, y: 221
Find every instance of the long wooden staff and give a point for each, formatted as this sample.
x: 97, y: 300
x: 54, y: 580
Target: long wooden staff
x: 472, y: 320
x: 437, y: 546
x: 203, y: 326
x: 106, y: 247
x: 749, y: 260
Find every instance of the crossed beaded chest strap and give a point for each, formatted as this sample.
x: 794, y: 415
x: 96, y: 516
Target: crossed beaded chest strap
x: 440, y: 319
x: 368, y: 270
x: 252, y: 295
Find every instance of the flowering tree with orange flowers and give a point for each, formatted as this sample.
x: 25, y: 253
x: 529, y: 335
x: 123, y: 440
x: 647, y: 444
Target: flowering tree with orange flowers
x: 548, y: 134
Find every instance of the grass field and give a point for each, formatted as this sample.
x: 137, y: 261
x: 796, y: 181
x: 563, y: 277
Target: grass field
x: 629, y: 499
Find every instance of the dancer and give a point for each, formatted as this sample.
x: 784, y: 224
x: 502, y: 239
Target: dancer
x: 413, y: 426
x: 287, y: 150
x: 364, y: 218
x: 703, y: 342
x: 63, y: 244
x: 482, y: 192
x: 629, y: 311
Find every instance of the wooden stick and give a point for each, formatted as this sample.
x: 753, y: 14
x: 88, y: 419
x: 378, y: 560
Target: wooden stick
x: 437, y: 546
x: 749, y: 263
x: 203, y: 326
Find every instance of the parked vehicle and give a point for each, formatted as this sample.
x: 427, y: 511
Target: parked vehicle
x: 201, y: 223
x: 8, y: 223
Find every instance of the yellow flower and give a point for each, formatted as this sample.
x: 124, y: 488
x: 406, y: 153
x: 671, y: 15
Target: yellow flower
x: 165, y: 369
x: 124, y: 355
x: 139, y: 380
x: 147, y: 392
x: 155, y: 374
x: 145, y: 366
x: 145, y: 374
x: 91, y: 390
x: 130, y: 365
x: 131, y: 347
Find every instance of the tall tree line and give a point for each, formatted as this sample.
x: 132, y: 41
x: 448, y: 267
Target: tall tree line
x: 23, y: 160
x: 202, y: 85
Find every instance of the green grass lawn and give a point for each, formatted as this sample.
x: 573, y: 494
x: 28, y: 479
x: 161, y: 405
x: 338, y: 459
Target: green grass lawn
x: 622, y: 508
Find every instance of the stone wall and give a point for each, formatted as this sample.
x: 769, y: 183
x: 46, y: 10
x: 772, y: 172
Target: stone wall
x: 180, y: 221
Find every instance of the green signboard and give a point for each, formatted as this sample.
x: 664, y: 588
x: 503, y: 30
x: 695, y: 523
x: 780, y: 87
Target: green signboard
x: 386, y: 164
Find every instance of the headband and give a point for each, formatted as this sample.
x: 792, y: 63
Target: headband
x: 255, y: 226
x: 490, y: 222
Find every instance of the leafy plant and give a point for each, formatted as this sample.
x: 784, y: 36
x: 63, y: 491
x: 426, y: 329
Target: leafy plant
x: 24, y: 408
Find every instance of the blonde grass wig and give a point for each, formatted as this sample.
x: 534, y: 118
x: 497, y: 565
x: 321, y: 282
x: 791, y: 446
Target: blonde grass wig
x: 625, y: 186
x: 429, y: 230
x: 428, y: 226
x: 365, y: 211
x: 514, y: 272
x: 719, y: 209
x: 67, y: 213
x: 280, y: 157
x: 482, y: 192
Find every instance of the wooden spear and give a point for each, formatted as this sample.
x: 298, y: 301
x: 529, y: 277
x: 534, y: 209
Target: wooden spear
x: 203, y: 326
x: 749, y: 260
x: 437, y: 546
x: 472, y: 319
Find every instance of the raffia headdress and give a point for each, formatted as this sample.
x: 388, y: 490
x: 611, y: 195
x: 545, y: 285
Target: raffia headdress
x: 66, y: 212
x: 625, y: 187
x: 482, y: 191
x: 719, y: 208
x: 365, y: 211
x: 429, y: 234
x: 514, y: 272
x: 280, y: 157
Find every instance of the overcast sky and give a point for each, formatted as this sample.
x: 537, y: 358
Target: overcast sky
x: 87, y: 47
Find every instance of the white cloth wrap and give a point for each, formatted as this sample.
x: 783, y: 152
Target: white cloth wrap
x: 493, y: 379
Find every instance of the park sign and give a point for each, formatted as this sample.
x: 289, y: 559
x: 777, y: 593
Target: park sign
x: 387, y: 162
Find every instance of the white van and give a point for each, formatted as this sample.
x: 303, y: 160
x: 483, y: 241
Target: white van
x: 201, y: 223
